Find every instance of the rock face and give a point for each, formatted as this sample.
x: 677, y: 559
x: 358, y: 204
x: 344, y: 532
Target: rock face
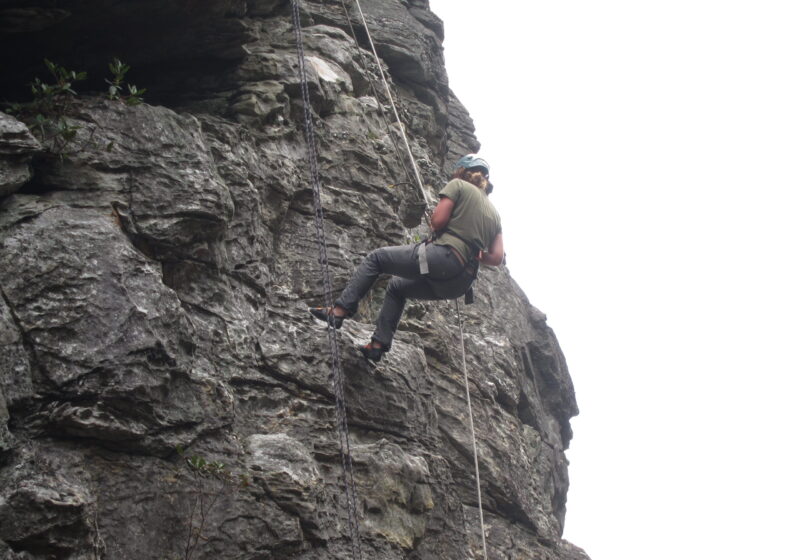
x: 163, y: 392
x: 17, y: 147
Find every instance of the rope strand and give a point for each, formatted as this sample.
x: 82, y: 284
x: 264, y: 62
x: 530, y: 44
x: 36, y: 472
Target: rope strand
x: 333, y: 341
x: 472, y: 428
x: 374, y: 90
x: 347, y: 466
x: 394, y: 107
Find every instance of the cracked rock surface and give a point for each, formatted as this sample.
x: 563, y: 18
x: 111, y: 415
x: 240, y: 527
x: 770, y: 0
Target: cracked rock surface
x: 163, y: 391
x: 17, y: 148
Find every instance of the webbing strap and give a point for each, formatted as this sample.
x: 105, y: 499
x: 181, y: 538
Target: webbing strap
x: 333, y: 341
x: 472, y: 428
x: 422, y: 255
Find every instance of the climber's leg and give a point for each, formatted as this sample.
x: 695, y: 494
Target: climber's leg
x: 398, y: 261
x: 398, y: 291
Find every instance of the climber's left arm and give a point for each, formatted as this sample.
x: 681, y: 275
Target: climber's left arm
x: 494, y: 256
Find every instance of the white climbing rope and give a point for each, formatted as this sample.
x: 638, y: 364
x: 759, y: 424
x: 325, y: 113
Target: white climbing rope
x: 458, y: 311
x: 472, y: 429
x: 401, y: 126
x: 394, y: 107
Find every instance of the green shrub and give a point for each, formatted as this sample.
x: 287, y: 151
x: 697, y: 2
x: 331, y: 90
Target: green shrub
x: 115, y: 85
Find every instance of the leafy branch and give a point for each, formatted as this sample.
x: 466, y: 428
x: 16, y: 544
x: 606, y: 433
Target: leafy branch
x: 211, y: 480
x: 116, y: 84
x: 46, y: 114
x: 53, y: 100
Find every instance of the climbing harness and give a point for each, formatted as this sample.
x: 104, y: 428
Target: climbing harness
x: 313, y: 157
x: 470, y: 266
x: 333, y: 341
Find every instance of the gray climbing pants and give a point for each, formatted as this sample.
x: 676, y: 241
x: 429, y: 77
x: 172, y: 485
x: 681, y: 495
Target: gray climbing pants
x: 447, y: 278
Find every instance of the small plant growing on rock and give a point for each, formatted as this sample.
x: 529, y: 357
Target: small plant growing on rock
x: 211, y: 479
x: 53, y: 100
x: 48, y: 98
x: 47, y: 113
x: 116, y: 84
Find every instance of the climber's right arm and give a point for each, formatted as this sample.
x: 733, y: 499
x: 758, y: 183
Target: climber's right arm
x: 441, y: 214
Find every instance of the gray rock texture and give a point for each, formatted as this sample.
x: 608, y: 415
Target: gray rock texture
x: 163, y: 392
x: 17, y: 148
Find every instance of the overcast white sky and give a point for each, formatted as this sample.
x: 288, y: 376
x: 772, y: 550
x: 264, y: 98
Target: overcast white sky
x: 646, y: 157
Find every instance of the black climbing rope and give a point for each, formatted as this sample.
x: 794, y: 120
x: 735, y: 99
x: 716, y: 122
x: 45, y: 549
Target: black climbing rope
x: 313, y: 157
x: 333, y: 341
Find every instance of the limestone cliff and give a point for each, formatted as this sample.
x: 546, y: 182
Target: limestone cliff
x: 163, y: 392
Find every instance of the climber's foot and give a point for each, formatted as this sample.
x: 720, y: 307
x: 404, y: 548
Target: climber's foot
x: 334, y: 316
x: 373, y: 351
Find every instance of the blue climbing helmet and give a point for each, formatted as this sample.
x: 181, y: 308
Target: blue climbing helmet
x: 471, y: 161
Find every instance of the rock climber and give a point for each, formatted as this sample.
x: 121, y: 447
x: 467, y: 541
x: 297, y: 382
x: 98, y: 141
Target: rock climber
x: 466, y: 233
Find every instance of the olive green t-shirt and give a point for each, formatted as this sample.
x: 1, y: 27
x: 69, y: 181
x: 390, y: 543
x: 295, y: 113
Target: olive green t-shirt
x: 473, y: 218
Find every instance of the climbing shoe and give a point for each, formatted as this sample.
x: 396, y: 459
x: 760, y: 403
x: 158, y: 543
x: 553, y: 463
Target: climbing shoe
x: 372, y: 353
x: 326, y: 314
